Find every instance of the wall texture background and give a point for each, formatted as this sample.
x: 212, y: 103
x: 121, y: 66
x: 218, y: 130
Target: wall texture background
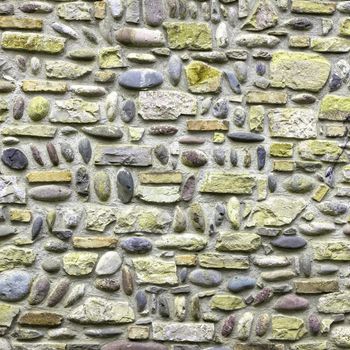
x: 174, y: 175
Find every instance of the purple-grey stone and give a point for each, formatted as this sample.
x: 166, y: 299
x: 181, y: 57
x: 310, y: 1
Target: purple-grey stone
x: 14, y: 158
x: 291, y: 302
x: 140, y: 79
x: 289, y: 242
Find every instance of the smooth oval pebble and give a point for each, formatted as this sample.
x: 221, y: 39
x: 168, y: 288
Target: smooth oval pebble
x: 14, y: 285
x: 205, y: 278
x: 14, y: 158
x: 129, y: 111
x: 108, y: 264
x: 175, y: 69
x: 194, y: 158
x: 104, y: 131
x: 49, y: 193
x: 59, y: 290
x: 125, y: 186
x: 136, y: 245
x: 237, y: 284
x: 242, y: 136
x: 51, y: 150
x: 140, y: 79
x: 37, y: 226
x: 85, y: 150
x: 102, y: 185
x: 141, y: 300
x: 289, y: 242
x: 291, y: 302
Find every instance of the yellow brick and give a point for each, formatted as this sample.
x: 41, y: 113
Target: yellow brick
x: 299, y: 41
x: 186, y: 260
x: 281, y: 149
x: 138, y: 332
x: 283, y: 165
x: 49, y: 176
x: 20, y: 215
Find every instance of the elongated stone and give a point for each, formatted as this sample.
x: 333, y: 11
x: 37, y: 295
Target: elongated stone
x: 39, y: 290
x: 40, y: 319
x: 238, y: 242
x: 187, y: 241
x: 124, y: 344
x: 58, y: 291
x: 53, y: 87
x: 140, y: 37
x: 65, y: 70
x: 140, y: 79
x: 48, y: 193
x: 291, y: 302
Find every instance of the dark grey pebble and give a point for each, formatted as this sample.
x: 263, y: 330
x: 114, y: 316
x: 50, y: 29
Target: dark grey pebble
x: 141, y: 300
x: 242, y: 136
x: 82, y: 182
x: 67, y: 152
x: 261, y: 157
x: 14, y: 158
x: 85, y: 150
x: 175, y: 69
x: 233, y: 82
x: 51, y: 150
x: 289, y: 242
x: 37, y: 226
x: 129, y: 111
x: 36, y: 155
x: 205, y: 278
x: 125, y: 186
x: 137, y: 245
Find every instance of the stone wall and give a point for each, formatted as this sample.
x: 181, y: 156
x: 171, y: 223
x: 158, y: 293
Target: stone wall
x: 174, y: 175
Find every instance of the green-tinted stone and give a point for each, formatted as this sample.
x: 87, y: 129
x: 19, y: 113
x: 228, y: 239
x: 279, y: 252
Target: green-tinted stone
x: 345, y: 27
x: 256, y: 118
x: 266, y: 97
x: 186, y: 241
x: 327, y: 151
x: 110, y: 57
x: 276, y: 211
x: 203, y: 78
x: 66, y: 70
x: 53, y: 87
x: 102, y: 185
x: 226, y: 302
x: 189, y: 35
x: 238, y: 242
x: 29, y: 130
x: 287, y: 328
x: 223, y: 261
x: 160, y: 194
x: 281, y: 149
x: 79, y: 263
x: 227, y: 182
x: 32, y: 42
x: 337, y: 303
x: 11, y: 257
x: 334, y: 107
x: 7, y: 314
x: 316, y: 285
x: 155, y: 271
x: 322, y: 345
x: 299, y: 70
x: 340, y: 336
x: 38, y: 108
x: 330, y: 45
x: 332, y: 250
x: 313, y: 7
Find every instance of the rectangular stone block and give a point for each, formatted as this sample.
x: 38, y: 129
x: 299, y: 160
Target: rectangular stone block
x: 335, y: 108
x: 94, y: 242
x: 40, y: 318
x: 42, y: 346
x: 332, y: 250
x: 227, y: 182
x: 316, y: 285
x: 32, y: 42
x: 49, y: 176
x: 20, y: 215
x: 53, y: 87
x: 183, y: 331
x: 207, y: 125
x: 123, y: 155
x: 12, y: 22
x: 159, y: 194
x: 313, y: 7
x: 166, y: 177
x: 30, y: 130
x: 259, y: 346
x: 223, y: 261
x: 266, y: 97
x: 237, y: 242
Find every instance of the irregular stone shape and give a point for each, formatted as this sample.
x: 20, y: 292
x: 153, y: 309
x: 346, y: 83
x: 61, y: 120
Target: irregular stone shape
x: 79, y: 263
x: 140, y: 79
x: 330, y: 45
x: 297, y: 123
x: 165, y: 104
x: 75, y: 111
x: 75, y: 11
x: 238, y: 284
x: 110, y: 57
x: 32, y: 42
x: 313, y: 7
x: 238, y: 242
x: 102, y: 311
x: 39, y: 290
x: 38, y: 176
x: 227, y: 182
x: 186, y: 241
x: 298, y: 184
x: 316, y: 285
x: 103, y: 131
x: 340, y: 335
x: 12, y: 257
x: 130, y: 155
x: 159, y: 194
x: 190, y: 35
x: 194, y: 158
x: 328, y: 151
x: 264, y: 97
x: 53, y: 87
x: 226, y: 302
x: 11, y: 191
x: 223, y: 261
x: 332, y: 250
x: 334, y: 107
x: 333, y: 208
x: 276, y: 211
x: 299, y: 70
x: 14, y: 158
x: 50, y: 193
x: 123, y: 344
x: 202, y: 78
x: 183, y: 332
x: 287, y: 328
x: 155, y: 271
x: 291, y: 302
x: 14, y: 285
x: 42, y: 346
x: 263, y: 16
x: 65, y: 70
x: 7, y: 314
x: 108, y: 264
x: 154, y: 12
x: 289, y: 242
x: 40, y: 319
x: 137, y: 245
x: 336, y: 303
x: 140, y: 37
x: 38, y: 108
x: 259, y: 346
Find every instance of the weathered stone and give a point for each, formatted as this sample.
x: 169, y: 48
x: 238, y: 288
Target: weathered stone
x: 276, y: 211
x: 39, y: 290
x: 291, y: 302
x: 123, y: 344
x: 14, y: 158
x: 334, y: 107
x: 287, y: 328
x: 313, y: 7
x: 263, y: 16
x: 187, y: 241
x: 227, y: 182
x: 12, y: 257
x: 340, y: 336
x: 334, y: 303
x: 140, y: 37
x: 65, y: 70
x: 108, y: 264
x: 203, y: 78
x: 289, y: 242
x: 47, y: 193
x: 155, y: 271
x: 330, y: 45
x: 79, y: 263
x: 102, y: 311
x: 238, y: 284
x: 257, y: 40
x: 166, y: 104
x: 14, y: 285
x: 7, y: 314
x: 325, y: 150
x: 226, y: 302
x: 40, y: 318
x: 316, y: 285
x: 53, y: 87
x: 183, y: 332
x: 38, y: 176
x: 110, y: 57
x: 297, y: 123
x: 76, y: 11
x: 238, y: 242
x: 140, y: 79
x: 32, y: 42
x: 299, y: 71
x: 190, y: 35
x: 207, y: 125
x: 160, y: 194
x: 241, y: 136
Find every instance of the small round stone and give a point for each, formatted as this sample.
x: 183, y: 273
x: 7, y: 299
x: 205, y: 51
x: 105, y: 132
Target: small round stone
x: 14, y: 158
x: 38, y: 108
x: 51, y: 265
x: 108, y: 264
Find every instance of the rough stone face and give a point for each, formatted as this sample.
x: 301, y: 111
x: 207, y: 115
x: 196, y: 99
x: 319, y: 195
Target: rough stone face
x: 191, y: 242
x: 101, y: 311
x: 165, y: 105
x: 226, y: 302
x: 334, y: 107
x: 12, y: 257
x: 299, y: 71
x: 297, y: 123
x: 14, y: 285
x: 7, y: 314
x: 183, y: 332
x: 334, y: 303
x: 238, y: 242
x: 193, y: 36
x: 287, y: 328
x: 79, y: 264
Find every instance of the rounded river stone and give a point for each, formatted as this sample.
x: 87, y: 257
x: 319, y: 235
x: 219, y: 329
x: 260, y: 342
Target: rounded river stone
x: 14, y: 285
x: 14, y: 158
x: 205, y: 278
x: 136, y: 245
x: 238, y: 284
x: 140, y: 79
